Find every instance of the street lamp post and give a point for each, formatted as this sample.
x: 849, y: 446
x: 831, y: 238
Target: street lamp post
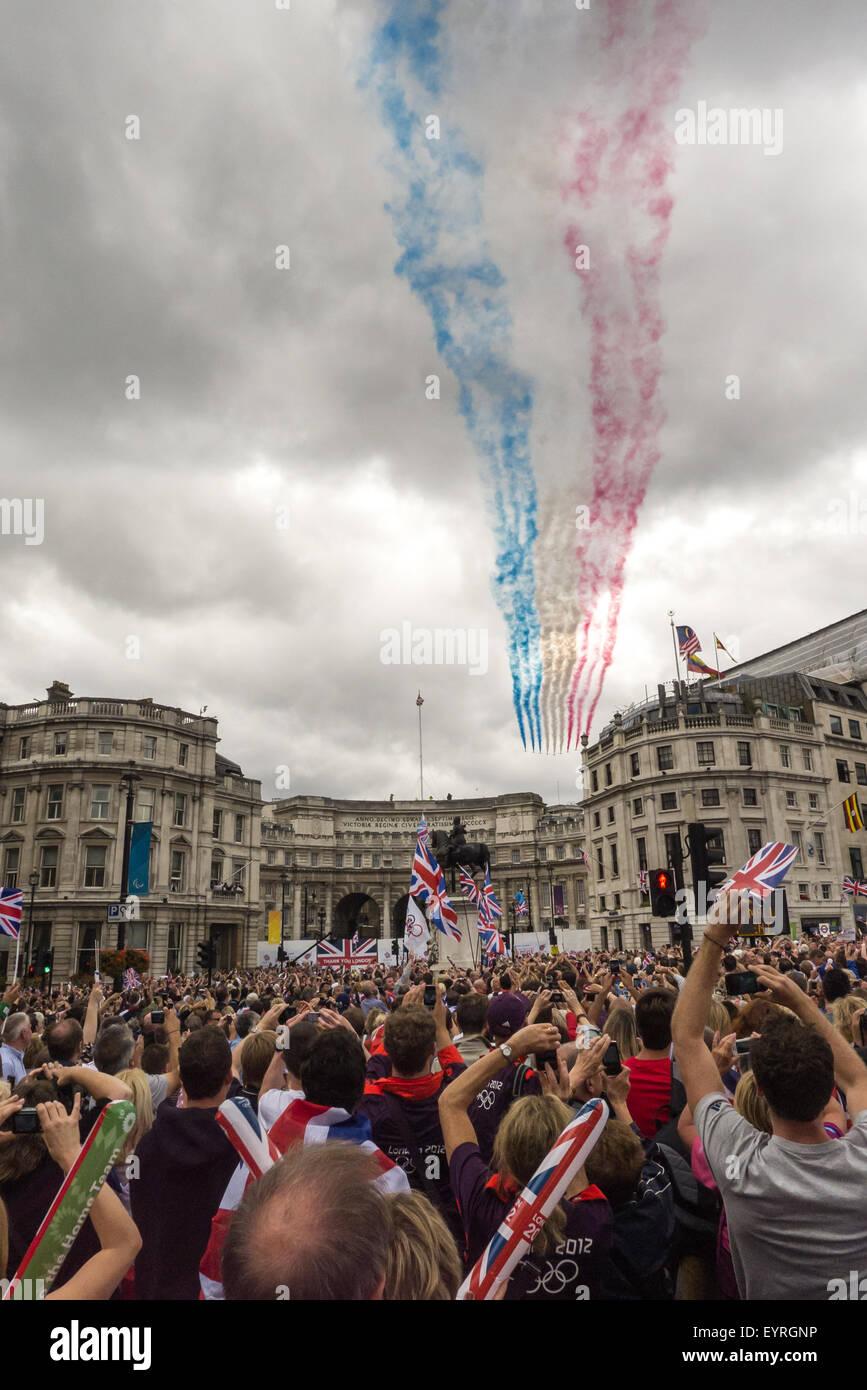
x: 33, y: 880
x: 128, y: 780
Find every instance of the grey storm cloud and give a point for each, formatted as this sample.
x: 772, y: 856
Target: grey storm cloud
x: 300, y: 394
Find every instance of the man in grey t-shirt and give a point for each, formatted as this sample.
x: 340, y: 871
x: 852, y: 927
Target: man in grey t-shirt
x: 793, y: 1199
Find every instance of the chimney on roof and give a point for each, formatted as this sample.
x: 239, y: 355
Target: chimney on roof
x: 59, y: 691
x: 660, y: 693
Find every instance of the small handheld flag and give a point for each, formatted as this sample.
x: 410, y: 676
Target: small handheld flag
x: 131, y: 979
x: 520, y: 904
x: 856, y: 886
x: 551, y: 1179
x: 763, y: 872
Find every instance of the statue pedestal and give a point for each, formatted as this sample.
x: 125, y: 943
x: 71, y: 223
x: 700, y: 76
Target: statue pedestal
x: 465, y: 952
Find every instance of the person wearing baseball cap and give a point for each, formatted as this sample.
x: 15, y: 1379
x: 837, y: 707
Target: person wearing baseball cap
x: 506, y: 1015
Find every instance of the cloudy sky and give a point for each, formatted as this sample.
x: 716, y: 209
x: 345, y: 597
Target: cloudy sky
x: 283, y: 491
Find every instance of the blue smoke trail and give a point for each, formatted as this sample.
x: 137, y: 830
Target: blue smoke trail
x: 447, y: 264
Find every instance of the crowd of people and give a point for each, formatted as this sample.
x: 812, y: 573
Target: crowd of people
x: 409, y: 1109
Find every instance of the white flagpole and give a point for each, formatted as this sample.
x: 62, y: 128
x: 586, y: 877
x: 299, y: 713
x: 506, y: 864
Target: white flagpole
x: 674, y: 644
x: 17, y: 949
x: 419, y: 703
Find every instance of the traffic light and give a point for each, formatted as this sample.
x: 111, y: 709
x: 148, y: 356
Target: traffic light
x: 205, y: 955
x: 663, y: 902
x: 703, y: 857
x: 47, y: 965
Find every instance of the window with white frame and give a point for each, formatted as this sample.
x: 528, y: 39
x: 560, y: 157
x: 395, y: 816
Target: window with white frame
x: 54, y: 804
x: 149, y: 747
x: 178, y: 871
x: 48, y: 860
x: 144, y: 803
x: 174, y: 948
x: 94, y: 866
x: 11, y: 866
x: 106, y: 742
x: 100, y: 803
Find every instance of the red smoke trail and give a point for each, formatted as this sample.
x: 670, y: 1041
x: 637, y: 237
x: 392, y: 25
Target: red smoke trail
x: 620, y: 166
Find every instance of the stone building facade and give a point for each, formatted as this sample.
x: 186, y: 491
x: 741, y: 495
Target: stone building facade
x: 754, y: 758
x: 62, y: 817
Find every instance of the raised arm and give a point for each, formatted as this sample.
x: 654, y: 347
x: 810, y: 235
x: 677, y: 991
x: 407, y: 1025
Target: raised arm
x: 698, y: 1069
x: 91, y: 1018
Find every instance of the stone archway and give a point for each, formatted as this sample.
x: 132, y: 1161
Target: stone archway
x: 357, y: 912
x: 398, y: 916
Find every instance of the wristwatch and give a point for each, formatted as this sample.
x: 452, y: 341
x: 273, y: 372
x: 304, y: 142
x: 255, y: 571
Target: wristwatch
x: 506, y: 1051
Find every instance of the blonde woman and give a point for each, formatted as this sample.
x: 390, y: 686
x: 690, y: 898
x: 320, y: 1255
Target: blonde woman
x: 423, y: 1264
x: 138, y: 1083
x: 843, y: 1013
x: 749, y: 1102
x: 582, y: 1221
x: 620, y: 1026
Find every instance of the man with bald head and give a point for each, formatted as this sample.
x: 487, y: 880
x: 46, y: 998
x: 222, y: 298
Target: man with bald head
x: 65, y: 1041
x: 314, y: 1228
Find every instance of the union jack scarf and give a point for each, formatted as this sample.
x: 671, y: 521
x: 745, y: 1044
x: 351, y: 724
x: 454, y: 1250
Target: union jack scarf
x: 516, y: 1233
x: 301, y: 1122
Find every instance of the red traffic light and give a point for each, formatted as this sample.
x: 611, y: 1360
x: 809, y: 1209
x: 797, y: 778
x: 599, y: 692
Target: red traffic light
x: 662, y: 881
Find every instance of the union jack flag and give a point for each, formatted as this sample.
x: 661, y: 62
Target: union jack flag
x: 642, y: 881
x: 345, y: 954
x: 441, y: 913
x: 10, y: 911
x: 468, y: 887
x: 687, y: 641
x: 426, y: 871
x: 520, y: 904
x: 516, y: 1234
x: 585, y: 859
x: 494, y: 909
x: 428, y: 884
x: 855, y: 886
x: 763, y: 872
x: 491, y: 940
x: 422, y: 831
x: 131, y: 979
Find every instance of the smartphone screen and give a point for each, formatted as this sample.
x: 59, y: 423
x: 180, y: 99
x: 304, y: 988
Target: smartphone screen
x: 611, y: 1060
